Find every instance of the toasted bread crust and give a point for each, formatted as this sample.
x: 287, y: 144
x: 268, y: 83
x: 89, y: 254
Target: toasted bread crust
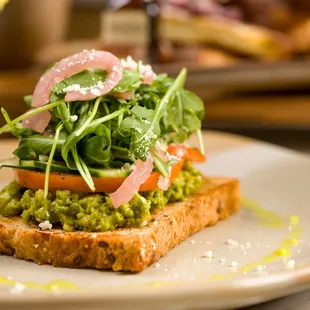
x: 123, y: 249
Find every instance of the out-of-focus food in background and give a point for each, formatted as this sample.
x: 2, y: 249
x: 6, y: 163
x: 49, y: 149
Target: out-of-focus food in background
x: 248, y: 59
x: 239, y: 30
x: 27, y: 26
x: 208, y: 33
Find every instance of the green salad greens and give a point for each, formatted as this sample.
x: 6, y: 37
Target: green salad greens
x: 121, y: 134
x: 107, y: 132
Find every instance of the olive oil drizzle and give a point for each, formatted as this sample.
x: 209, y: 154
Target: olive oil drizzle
x: 271, y: 220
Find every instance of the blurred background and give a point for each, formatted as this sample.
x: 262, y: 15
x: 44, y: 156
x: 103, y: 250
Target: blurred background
x: 249, y: 60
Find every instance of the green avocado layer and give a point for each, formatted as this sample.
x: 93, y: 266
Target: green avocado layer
x: 93, y: 212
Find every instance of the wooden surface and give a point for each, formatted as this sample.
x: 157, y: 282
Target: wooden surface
x: 214, y: 141
x: 263, y: 110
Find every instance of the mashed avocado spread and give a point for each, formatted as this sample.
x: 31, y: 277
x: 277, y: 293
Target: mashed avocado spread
x: 93, y: 212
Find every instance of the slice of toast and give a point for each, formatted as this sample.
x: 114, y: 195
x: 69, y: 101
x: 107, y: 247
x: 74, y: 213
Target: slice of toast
x: 123, y: 249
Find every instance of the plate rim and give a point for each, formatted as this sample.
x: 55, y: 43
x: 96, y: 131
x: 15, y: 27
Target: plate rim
x: 279, y: 284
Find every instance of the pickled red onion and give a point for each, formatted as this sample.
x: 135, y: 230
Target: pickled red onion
x: 88, y: 59
x: 132, y: 183
x: 164, y: 182
x: 128, y: 95
x: 37, y: 122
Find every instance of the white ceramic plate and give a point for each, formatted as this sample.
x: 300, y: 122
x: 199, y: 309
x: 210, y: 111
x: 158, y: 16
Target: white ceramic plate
x: 273, y: 223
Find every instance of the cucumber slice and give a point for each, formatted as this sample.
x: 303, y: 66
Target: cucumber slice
x: 41, y: 166
x: 59, y: 167
x: 109, y: 173
x: 32, y: 165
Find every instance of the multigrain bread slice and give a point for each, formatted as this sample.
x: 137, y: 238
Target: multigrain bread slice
x: 124, y: 249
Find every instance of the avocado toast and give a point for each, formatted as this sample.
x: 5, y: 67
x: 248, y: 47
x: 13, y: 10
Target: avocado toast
x: 104, y: 178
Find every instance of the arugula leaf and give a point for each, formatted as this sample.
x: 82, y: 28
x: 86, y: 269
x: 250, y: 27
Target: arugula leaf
x: 6, y: 128
x: 90, y: 118
x: 142, y: 112
x: 120, y: 152
x: 131, y: 80
x: 82, y: 168
x: 134, y: 127
x: 148, y: 135
x: 16, y: 129
x: 97, y: 149
x: 150, y: 101
x: 182, y: 117
x: 65, y: 116
x: 77, y: 136
x: 77, y: 133
x: 82, y: 112
x: 161, y: 165
x: 192, y: 102
x: 191, y: 121
x: 85, y: 78
x: 132, y: 124
x: 159, y: 86
x: 56, y: 97
x: 173, y: 117
x: 50, y: 159
x: 33, y: 146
